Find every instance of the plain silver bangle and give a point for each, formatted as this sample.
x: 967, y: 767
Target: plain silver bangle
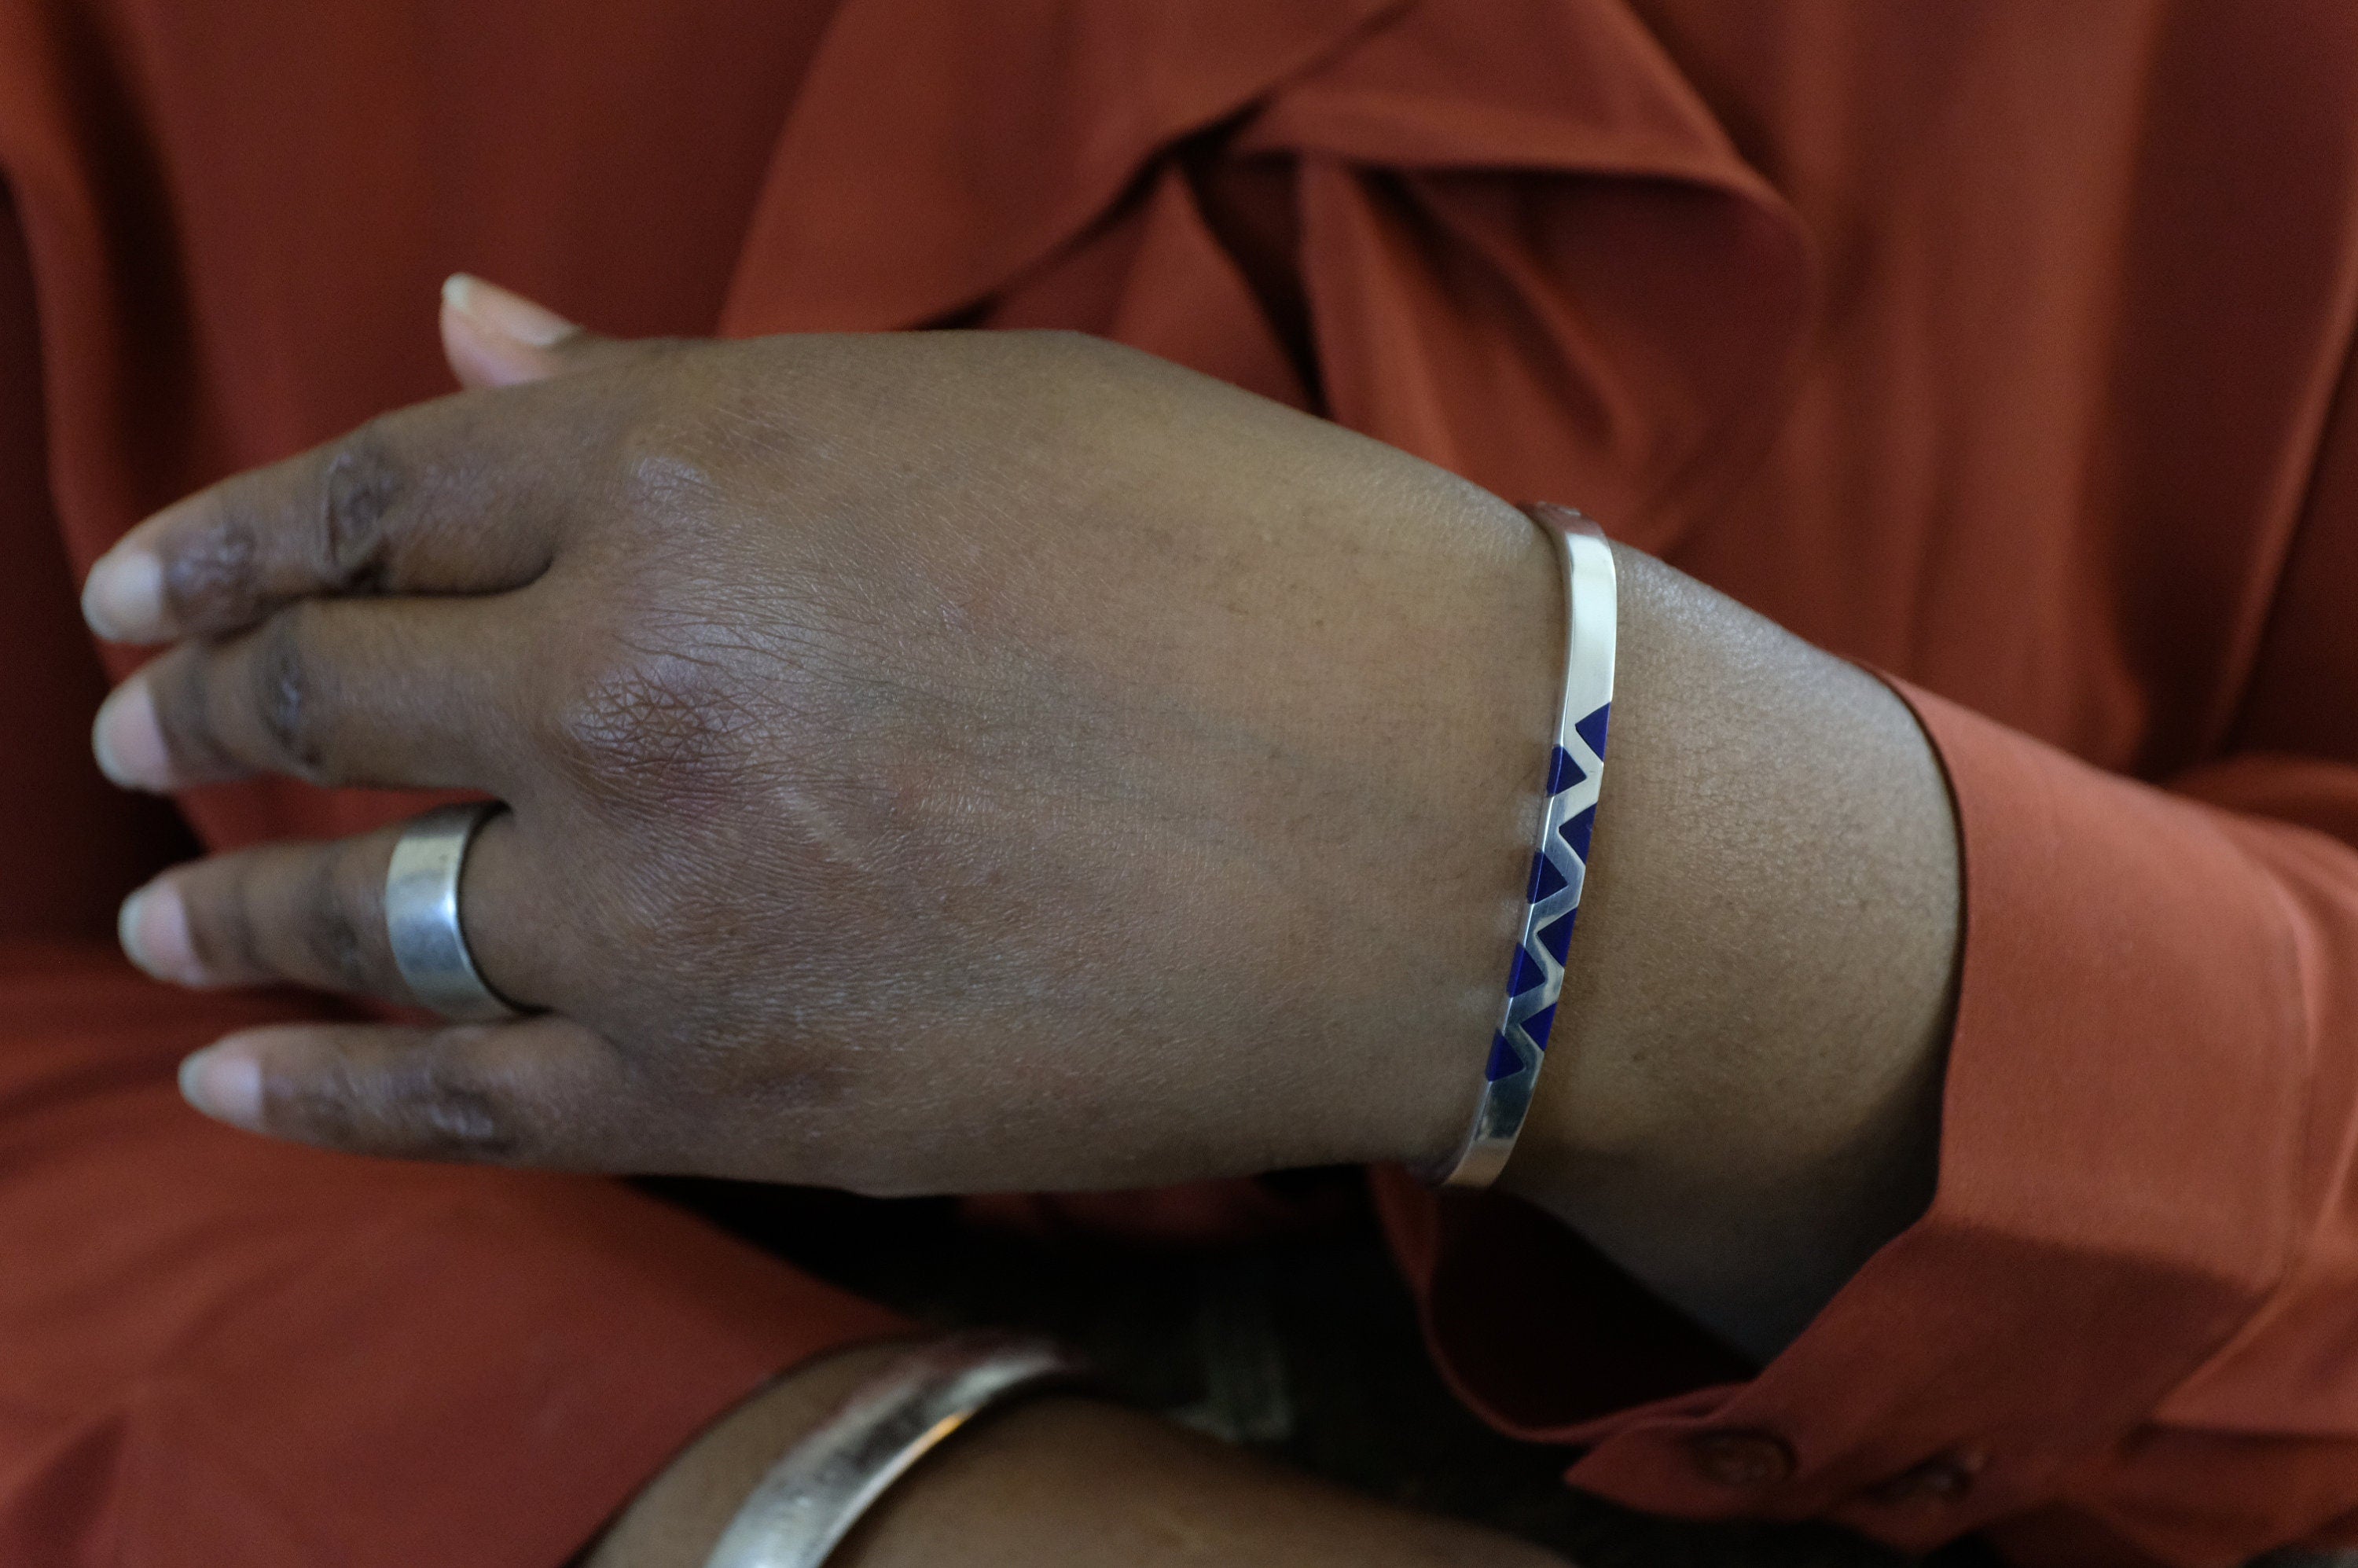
x: 809, y: 1501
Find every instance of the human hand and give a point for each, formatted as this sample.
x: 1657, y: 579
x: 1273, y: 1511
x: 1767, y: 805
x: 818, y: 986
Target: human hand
x: 935, y: 761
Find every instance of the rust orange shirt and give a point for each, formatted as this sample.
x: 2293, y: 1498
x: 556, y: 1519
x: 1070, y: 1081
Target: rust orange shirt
x: 2000, y: 346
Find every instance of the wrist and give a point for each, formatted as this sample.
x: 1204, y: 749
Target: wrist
x: 675, y: 1518
x: 1742, y: 1101
x: 1072, y: 1483
x: 1459, y: 867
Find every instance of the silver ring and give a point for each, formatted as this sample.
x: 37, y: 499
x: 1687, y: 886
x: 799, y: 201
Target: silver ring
x: 421, y: 914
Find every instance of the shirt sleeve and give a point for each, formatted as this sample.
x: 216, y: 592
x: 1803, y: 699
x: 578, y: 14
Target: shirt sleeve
x: 2121, y: 1332
x: 229, y: 1351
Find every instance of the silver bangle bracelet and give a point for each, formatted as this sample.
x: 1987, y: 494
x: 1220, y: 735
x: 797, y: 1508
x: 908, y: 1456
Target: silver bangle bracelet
x: 811, y: 1497
x: 1576, y: 770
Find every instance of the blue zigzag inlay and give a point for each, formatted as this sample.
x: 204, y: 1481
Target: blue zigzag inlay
x: 1556, y: 936
x: 1592, y: 728
x: 1574, y: 768
x: 1536, y: 981
x: 1546, y: 881
x: 1503, y: 1060
x: 1563, y: 771
x: 1576, y: 831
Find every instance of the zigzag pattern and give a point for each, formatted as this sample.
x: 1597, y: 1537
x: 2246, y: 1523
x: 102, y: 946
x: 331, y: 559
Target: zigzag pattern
x: 1536, y: 982
x: 1560, y: 870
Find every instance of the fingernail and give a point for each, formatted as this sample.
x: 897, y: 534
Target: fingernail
x: 224, y: 1082
x: 123, y: 600
x: 153, y: 929
x: 128, y: 740
x: 505, y: 315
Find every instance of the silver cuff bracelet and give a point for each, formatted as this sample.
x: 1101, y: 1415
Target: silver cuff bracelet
x: 1576, y: 771
x: 809, y: 1501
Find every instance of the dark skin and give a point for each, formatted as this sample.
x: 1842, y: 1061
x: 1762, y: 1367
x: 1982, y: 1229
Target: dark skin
x: 894, y: 805
x: 964, y: 763
x: 1052, y: 1483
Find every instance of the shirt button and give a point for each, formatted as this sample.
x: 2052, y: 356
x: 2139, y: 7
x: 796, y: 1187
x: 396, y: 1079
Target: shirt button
x: 1746, y: 1460
x: 1943, y: 1479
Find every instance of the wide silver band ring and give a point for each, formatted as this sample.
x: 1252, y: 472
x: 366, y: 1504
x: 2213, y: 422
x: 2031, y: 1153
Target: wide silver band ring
x: 421, y: 914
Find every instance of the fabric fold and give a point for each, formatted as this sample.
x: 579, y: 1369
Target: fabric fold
x: 937, y: 152
x: 1530, y: 253
x: 255, y: 1352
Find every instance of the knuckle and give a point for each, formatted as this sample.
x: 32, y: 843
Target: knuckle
x: 335, y: 940
x: 663, y: 483
x: 662, y: 466
x: 287, y: 697
x: 361, y: 487
x: 661, y: 722
x: 223, y: 933
x: 181, y: 686
x: 450, y: 1115
x: 425, y: 1101
x: 210, y: 572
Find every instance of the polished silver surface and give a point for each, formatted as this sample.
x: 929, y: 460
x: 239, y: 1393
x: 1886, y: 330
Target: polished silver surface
x: 810, y: 1499
x: 1576, y: 773
x: 421, y: 914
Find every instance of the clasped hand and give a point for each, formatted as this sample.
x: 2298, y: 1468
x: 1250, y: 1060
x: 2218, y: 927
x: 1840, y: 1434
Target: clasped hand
x: 935, y: 761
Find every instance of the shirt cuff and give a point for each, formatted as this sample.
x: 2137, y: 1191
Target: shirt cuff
x: 2120, y: 1139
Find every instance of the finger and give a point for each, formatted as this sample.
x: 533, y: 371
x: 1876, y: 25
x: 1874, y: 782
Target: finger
x: 313, y: 915
x: 495, y: 337
x: 465, y: 494
x: 541, y: 1091
x: 419, y: 694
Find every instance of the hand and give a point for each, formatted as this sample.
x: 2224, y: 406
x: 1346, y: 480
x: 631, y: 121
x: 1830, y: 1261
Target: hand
x: 935, y: 761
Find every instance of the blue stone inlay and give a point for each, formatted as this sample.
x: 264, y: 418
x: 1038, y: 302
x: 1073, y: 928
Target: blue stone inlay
x: 1576, y: 830
x: 1562, y: 771
x: 1556, y: 935
x: 1592, y: 728
x: 1503, y: 1060
x: 1557, y: 871
x: 1545, y: 879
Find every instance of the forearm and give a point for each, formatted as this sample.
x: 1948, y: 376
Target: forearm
x: 1743, y: 1101
x: 1052, y: 1483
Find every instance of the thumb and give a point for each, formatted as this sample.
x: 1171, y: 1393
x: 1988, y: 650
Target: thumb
x: 494, y: 337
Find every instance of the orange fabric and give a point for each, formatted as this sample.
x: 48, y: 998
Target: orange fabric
x: 48, y: 781
x: 1997, y: 346
x: 223, y: 1351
